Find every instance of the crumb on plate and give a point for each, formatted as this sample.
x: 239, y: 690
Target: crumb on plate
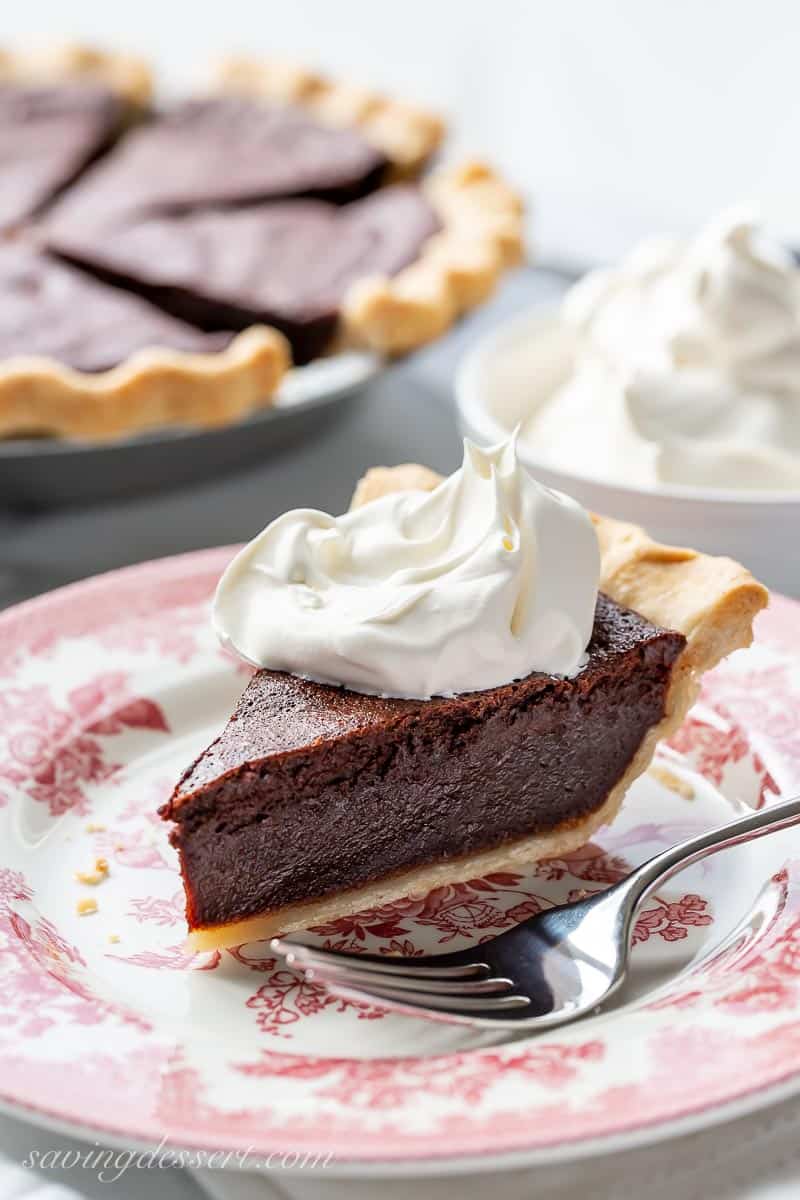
x: 670, y: 780
x: 98, y: 873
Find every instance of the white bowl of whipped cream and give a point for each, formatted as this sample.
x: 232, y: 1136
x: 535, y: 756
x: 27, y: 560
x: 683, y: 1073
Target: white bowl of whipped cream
x: 665, y: 390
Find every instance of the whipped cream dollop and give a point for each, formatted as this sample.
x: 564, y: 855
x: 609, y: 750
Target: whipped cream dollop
x: 475, y: 584
x: 686, y: 367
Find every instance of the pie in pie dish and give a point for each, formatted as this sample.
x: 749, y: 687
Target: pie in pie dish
x: 318, y: 801
x: 186, y: 257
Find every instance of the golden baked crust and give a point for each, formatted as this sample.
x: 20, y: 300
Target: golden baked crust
x: 126, y: 74
x: 406, y: 134
x: 381, y: 481
x: 712, y: 601
x: 151, y: 388
x: 457, y: 269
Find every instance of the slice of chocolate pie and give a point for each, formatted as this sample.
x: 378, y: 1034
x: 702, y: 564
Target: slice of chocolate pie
x: 82, y: 356
x: 288, y: 264
x: 58, y: 112
x: 48, y: 134
x: 319, y: 800
x: 219, y: 151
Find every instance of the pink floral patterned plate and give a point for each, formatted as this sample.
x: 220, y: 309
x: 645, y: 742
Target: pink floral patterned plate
x: 110, y: 1028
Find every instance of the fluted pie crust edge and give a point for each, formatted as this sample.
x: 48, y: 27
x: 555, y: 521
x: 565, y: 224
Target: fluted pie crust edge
x: 127, y: 75
x: 481, y: 236
x: 405, y: 133
x: 711, y: 601
x: 150, y: 389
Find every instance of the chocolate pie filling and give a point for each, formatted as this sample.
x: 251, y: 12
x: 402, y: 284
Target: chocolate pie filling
x: 56, y: 311
x: 223, y: 151
x: 311, y: 789
x: 47, y: 136
x: 286, y: 264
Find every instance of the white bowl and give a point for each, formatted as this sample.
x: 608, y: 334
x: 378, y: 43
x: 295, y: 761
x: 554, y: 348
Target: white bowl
x: 508, y: 372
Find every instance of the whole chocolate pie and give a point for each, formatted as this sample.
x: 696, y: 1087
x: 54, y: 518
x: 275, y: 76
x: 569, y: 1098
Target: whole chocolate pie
x: 318, y: 801
x: 281, y: 204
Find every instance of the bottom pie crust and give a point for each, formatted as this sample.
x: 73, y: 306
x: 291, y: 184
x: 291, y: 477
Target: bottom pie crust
x: 712, y: 601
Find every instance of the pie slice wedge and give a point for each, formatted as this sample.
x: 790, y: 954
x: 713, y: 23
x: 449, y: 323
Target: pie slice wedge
x: 58, y: 111
x: 220, y: 151
x: 288, y: 264
x: 316, y: 802
x: 85, y: 360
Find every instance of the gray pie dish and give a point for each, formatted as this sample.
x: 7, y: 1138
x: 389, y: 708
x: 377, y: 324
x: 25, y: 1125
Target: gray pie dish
x: 48, y: 472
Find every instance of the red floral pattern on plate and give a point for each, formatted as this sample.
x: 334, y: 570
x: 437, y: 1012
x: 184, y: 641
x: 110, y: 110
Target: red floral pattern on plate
x: 477, y: 909
x: 286, y: 998
x: 671, y: 920
x: 158, y: 910
x: 53, y: 750
x: 714, y: 748
x: 46, y: 982
x: 179, y: 638
x: 171, y: 958
x: 384, y: 1084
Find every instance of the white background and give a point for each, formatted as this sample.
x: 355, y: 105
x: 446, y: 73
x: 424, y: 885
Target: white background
x: 615, y: 116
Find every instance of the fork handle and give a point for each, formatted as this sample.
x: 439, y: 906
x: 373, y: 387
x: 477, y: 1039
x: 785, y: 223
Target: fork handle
x: 663, y: 866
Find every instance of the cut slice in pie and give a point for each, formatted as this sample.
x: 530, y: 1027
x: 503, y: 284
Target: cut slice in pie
x: 389, y: 271
x: 58, y: 111
x: 316, y: 802
x: 288, y: 264
x: 224, y: 150
x: 99, y: 362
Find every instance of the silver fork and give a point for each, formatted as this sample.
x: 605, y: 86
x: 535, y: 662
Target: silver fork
x: 558, y: 965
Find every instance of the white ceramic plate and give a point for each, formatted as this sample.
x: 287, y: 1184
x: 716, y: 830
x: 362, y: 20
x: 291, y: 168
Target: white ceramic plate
x: 110, y: 1029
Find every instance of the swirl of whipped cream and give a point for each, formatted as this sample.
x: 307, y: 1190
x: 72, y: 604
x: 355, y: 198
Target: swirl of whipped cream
x: 687, y: 366
x: 481, y: 581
